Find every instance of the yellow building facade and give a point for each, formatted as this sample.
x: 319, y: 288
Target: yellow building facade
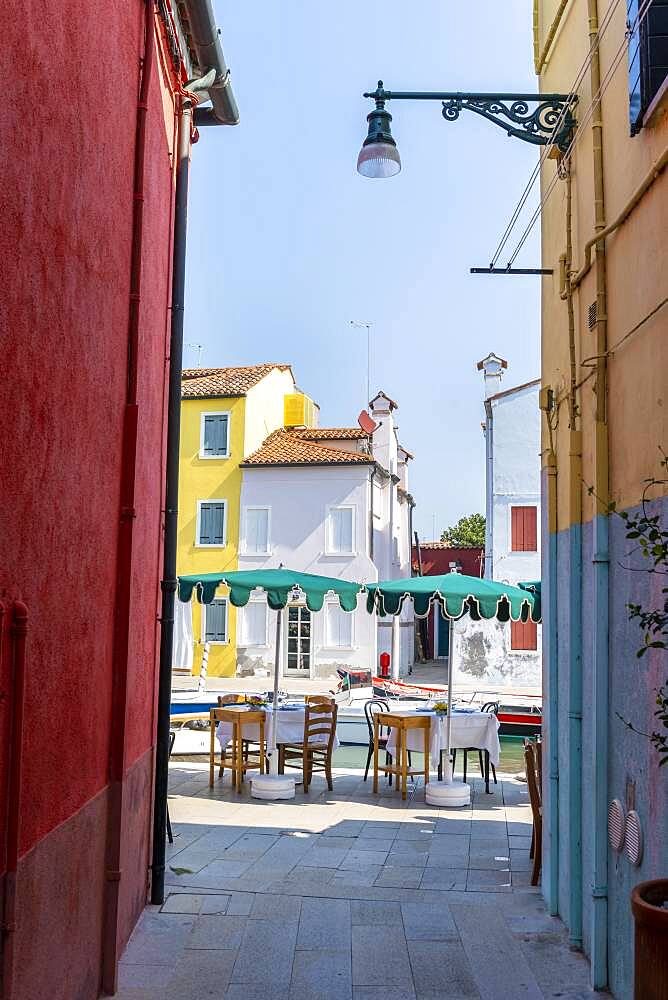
x: 225, y: 415
x: 605, y: 404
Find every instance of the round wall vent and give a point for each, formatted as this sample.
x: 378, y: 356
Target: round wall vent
x: 633, y: 838
x: 616, y: 825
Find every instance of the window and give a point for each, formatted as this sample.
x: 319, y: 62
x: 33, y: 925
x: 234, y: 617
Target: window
x: 215, y: 436
x: 211, y: 522
x: 256, y: 530
x: 338, y: 627
x: 214, y: 621
x: 523, y: 529
x: 340, y: 531
x: 254, y: 624
x: 647, y: 24
x: 523, y: 635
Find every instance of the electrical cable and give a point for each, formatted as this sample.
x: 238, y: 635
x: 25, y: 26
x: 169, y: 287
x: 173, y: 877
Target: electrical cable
x: 607, y: 17
x: 642, y: 13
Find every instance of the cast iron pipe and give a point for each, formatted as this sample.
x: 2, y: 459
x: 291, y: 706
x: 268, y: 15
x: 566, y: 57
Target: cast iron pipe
x: 169, y: 582
x: 123, y: 587
x: 205, y: 40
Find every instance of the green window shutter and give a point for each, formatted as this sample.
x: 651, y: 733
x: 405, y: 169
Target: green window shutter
x: 212, y: 524
x: 216, y: 434
x: 216, y: 621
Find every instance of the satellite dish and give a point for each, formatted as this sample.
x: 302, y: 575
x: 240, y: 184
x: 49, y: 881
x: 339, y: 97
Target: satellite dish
x: 366, y: 423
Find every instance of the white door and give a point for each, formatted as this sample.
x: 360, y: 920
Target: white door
x: 298, y: 646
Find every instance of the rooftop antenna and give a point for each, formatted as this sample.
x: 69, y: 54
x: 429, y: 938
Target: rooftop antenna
x: 360, y: 324
x: 199, y: 348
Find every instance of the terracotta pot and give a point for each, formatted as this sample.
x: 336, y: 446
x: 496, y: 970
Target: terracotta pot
x: 649, y: 903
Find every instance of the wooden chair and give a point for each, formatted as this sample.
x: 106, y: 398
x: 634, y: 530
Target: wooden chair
x: 319, y: 699
x: 315, y: 752
x: 242, y: 756
x: 535, y: 798
x: 399, y: 766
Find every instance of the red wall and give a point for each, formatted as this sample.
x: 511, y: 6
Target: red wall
x: 69, y: 137
x: 436, y: 559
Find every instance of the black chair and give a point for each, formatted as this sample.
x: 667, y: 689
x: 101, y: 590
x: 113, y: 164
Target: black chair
x: 485, y: 764
x: 371, y: 708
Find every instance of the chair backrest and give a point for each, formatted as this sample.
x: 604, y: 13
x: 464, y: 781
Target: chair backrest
x: 538, y: 753
x: 491, y: 706
x: 228, y: 699
x: 371, y: 707
x: 320, y: 722
x: 319, y: 699
x: 532, y: 777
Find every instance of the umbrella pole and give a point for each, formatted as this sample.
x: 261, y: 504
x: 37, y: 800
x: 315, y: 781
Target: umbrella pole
x: 448, y: 725
x: 273, y: 755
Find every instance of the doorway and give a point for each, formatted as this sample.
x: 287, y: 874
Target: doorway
x: 298, y: 659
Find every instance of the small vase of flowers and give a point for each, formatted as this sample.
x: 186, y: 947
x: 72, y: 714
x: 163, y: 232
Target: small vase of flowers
x: 441, y: 708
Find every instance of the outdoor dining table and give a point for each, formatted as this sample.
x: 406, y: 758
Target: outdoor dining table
x: 470, y: 730
x: 290, y: 728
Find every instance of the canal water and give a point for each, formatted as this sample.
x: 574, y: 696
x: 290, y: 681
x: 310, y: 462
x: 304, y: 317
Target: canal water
x: 512, y: 757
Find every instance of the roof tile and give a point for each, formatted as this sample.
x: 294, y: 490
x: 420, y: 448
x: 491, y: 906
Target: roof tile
x: 289, y: 447
x: 202, y: 382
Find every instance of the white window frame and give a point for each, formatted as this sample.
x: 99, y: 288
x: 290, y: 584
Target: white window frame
x: 257, y: 645
x: 244, y: 537
x: 214, y: 413
x: 328, y: 521
x: 217, y: 642
x: 210, y: 545
x: 523, y: 552
x: 351, y: 614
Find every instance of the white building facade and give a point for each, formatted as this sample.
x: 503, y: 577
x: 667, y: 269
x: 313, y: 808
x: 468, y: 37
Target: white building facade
x: 323, y: 501
x: 508, y: 655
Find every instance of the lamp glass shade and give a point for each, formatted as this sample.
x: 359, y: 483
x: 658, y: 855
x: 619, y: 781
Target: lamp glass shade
x: 378, y: 159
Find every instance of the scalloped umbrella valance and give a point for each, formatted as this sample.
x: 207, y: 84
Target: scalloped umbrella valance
x: 456, y: 594
x: 533, y: 586
x: 279, y: 585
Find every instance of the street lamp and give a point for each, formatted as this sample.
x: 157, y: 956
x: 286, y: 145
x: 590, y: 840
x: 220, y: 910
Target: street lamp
x: 550, y: 122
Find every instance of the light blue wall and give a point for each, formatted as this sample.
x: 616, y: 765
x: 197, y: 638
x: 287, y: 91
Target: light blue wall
x: 633, y: 684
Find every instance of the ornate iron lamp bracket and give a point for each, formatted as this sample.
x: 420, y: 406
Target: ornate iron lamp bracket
x: 550, y: 121
x: 541, y: 119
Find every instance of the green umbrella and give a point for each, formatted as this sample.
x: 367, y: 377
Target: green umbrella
x: 281, y: 586
x: 456, y: 595
x: 533, y: 586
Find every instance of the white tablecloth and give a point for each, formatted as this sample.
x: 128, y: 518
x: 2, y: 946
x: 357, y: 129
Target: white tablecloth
x: 470, y: 729
x: 290, y: 728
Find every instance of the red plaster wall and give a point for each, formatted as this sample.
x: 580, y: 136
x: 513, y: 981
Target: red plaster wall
x: 68, y: 135
x: 436, y: 561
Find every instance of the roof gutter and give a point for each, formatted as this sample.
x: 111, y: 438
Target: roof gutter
x: 204, y: 38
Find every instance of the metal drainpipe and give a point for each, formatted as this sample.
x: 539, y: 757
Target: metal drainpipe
x: 489, y: 489
x: 601, y: 558
x: 574, y: 604
x: 205, y: 40
x: 126, y: 518
x: 553, y: 684
x: 169, y: 582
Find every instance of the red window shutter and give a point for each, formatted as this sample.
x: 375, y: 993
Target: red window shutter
x: 523, y: 635
x: 523, y: 529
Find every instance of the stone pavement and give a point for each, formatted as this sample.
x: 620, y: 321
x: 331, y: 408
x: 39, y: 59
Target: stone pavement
x: 345, y: 895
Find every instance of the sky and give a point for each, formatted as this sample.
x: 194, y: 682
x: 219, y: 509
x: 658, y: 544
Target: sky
x: 287, y: 243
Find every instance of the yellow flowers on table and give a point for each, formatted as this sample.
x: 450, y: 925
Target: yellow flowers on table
x: 441, y: 707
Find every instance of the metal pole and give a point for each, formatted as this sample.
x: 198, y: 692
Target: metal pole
x: 169, y: 581
x: 448, y: 724
x: 273, y: 757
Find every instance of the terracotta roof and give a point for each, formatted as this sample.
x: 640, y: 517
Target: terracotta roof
x: 288, y: 447
x: 202, y: 382
x: 434, y: 545
x: 330, y: 433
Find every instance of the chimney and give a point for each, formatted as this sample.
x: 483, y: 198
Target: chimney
x: 492, y: 367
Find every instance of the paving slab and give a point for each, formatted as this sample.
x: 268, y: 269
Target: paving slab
x: 324, y: 924
x: 441, y: 969
x: 368, y: 912
x: 266, y: 953
x: 200, y: 974
x: 322, y: 975
x: 380, y: 958
x: 490, y: 947
x: 428, y: 922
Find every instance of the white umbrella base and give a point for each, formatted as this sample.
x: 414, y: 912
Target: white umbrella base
x: 449, y: 794
x: 273, y: 786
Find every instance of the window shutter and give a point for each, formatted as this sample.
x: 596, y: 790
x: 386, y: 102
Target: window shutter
x: 257, y: 530
x: 212, y: 524
x: 215, y: 434
x: 255, y: 623
x: 215, y: 621
x: 338, y: 627
x: 341, y: 529
x: 523, y: 635
x: 524, y: 529
x: 648, y: 55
